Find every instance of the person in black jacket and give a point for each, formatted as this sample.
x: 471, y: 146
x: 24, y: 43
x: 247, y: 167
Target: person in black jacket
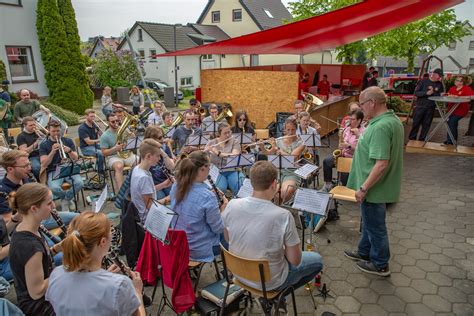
x: 424, y: 110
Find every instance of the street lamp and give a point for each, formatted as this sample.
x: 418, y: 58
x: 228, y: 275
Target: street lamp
x: 176, y: 101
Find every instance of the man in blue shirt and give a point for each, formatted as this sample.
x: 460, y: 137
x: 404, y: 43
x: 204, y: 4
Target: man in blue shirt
x: 51, y: 159
x: 89, y: 133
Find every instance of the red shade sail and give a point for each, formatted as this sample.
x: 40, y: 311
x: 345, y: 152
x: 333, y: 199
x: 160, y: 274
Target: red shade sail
x: 326, y: 31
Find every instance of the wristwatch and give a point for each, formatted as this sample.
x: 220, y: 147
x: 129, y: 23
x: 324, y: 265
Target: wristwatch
x: 361, y: 189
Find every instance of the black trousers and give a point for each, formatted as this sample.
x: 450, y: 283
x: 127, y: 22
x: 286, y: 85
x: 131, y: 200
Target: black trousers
x: 423, y: 117
x: 328, y: 164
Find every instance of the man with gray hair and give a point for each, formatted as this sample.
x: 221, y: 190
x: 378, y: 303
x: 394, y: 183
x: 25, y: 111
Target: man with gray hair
x: 376, y: 176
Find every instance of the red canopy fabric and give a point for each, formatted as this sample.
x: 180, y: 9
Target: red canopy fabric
x: 326, y: 31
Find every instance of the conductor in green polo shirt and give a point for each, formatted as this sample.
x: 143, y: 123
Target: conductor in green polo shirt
x: 376, y: 176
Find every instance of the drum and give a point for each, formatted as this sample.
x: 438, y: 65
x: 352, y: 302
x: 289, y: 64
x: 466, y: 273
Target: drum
x: 43, y: 118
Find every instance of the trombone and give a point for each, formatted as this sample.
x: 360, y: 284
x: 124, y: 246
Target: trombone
x: 98, y: 122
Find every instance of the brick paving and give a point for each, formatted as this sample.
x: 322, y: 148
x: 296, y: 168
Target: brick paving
x: 431, y: 232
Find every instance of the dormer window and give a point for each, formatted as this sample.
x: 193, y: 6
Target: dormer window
x: 268, y: 13
x: 216, y: 16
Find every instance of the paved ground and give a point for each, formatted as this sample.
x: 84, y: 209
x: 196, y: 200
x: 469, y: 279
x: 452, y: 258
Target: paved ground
x: 432, y: 244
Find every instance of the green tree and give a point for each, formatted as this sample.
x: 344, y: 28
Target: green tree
x: 3, y: 71
x: 66, y: 11
x: 61, y: 73
x: 421, y: 37
x: 114, y: 69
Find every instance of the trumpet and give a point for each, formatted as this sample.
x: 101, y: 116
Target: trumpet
x: 62, y: 152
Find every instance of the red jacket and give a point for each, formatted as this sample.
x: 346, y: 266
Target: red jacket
x: 174, y: 260
x: 324, y: 88
x: 463, y: 108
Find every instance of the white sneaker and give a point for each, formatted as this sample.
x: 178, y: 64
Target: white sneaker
x: 72, y: 205
x: 65, y: 205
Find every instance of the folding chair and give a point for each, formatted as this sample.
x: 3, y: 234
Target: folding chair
x: 341, y: 192
x: 254, y: 271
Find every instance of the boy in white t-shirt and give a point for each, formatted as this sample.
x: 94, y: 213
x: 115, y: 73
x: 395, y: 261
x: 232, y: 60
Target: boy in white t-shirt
x: 142, y: 188
x: 258, y: 229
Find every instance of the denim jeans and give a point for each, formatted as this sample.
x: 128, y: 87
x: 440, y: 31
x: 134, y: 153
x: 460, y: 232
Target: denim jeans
x: 67, y: 217
x: 58, y: 259
x: 55, y: 186
x: 311, y: 264
x: 106, y: 110
x: 35, y: 166
x: 5, y: 270
x: 374, y: 240
x: 95, y: 151
x: 163, y: 193
x: 230, y: 179
x: 453, y: 122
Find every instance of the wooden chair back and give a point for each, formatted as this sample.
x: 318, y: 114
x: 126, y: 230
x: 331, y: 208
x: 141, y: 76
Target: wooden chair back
x: 344, y: 164
x: 246, y: 268
x: 13, y: 132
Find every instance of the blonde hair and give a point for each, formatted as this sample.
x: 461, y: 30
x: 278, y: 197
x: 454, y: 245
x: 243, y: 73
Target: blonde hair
x: 149, y: 146
x: 84, y: 233
x: 153, y: 132
x: 8, y: 159
x: 28, y: 195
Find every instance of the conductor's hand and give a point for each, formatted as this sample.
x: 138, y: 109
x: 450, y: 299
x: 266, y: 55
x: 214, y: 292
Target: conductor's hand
x: 137, y: 281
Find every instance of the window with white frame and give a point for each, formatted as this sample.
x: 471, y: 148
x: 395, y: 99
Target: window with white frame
x: 452, y: 45
x: 186, y: 81
x: 471, y: 45
x: 268, y: 13
x: 237, y: 15
x: 207, y: 57
x: 471, y: 63
x: 21, y: 64
x: 216, y: 16
x: 141, y: 53
x: 152, y: 54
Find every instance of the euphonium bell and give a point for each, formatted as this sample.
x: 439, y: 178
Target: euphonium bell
x: 225, y: 113
x: 307, y: 155
x: 178, y: 120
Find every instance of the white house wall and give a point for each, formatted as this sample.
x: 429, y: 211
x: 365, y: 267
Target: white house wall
x: 461, y: 54
x: 18, y: 28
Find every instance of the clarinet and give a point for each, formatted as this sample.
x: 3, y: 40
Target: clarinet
x: 60, y: 223
x: 167, y: 173
x: 220, y: 201
x: 48, y: 234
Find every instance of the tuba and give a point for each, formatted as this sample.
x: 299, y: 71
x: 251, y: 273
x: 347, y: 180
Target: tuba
x: 123, y: 133
x: 225, y: 114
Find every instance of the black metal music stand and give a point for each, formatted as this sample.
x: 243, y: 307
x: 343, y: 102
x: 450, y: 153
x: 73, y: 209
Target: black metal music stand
x: 281, y: 162
x: 67, y: 171
x: 210, y: 127
x: 196, y: 140
x: 233, y: 162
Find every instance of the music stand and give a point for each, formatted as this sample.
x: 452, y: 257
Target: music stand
x: 170, y: 132
x: 99, y: 204
x: 234, y: 162
x: 133, y: 143
x: 210, y: 127
x: 196, y: 140
x: 157, y: 223
x: 67, y: 171
x: 282, y: 162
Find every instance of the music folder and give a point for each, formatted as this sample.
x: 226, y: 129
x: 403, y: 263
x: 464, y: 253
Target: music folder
x: 305, y: 171
x: 311, y: 201
x: 158, y: 220
x: 99, y: 204
x: 246, y: 189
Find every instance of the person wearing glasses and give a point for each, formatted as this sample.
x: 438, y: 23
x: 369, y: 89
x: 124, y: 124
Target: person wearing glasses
x: 242, y: 123
x: 50, y: 158
x: 461, y: 88
x: 110, y: 148
x: 197, y: 206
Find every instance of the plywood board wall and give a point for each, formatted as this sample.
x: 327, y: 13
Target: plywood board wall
x: 260, y: 93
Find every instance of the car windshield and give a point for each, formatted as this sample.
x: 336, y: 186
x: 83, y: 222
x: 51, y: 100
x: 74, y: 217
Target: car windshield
x: 404, y: 86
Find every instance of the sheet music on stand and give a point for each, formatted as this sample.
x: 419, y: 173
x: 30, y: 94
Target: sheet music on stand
x: 282, y: 161
x: 311, y: 201
x: 246, y: 189
x: 134, y: 143
x: 99, y: 204
x: 214, y: 173
x: 197, y: 140
x: 170, y: 132
x: 311, y: 140
x: 306, y: 170
x: 243, y: 138
x: 158, y: 220
x: 66, y: 170
x: 237, y: 161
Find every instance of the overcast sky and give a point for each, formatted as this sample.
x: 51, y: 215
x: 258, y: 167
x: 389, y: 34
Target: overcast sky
x: 112, y: 17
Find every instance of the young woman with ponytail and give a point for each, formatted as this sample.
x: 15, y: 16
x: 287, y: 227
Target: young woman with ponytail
x: 197, y: 207
x: 30, y: 257
x: 81, y: 286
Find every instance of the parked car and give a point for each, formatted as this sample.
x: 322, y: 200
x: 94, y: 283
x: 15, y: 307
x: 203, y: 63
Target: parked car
x: 157, y: 85
x: 400, y: 86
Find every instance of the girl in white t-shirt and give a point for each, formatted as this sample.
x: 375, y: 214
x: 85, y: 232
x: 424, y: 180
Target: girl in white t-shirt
x: 81, y: 286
